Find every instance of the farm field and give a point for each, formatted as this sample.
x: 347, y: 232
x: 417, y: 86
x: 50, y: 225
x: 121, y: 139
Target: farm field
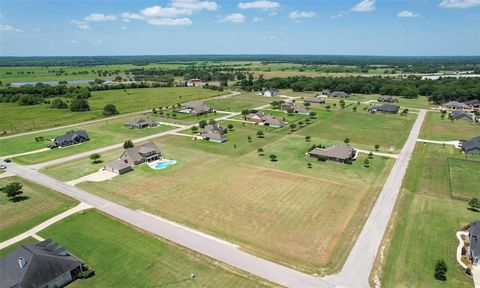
x: 15, y: 118
x: 300, y: 202
x: 425, y: 223
x: 389, y: 131
x: 436, y: 128
x: 125, y: 257
x: 239, y: 103
x: 41, y: 204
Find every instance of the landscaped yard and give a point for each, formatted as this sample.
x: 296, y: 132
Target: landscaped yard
x: 425, y: 223
x: 41, y: 204
x: 241, y: 102
x: 125, y: 257
x: 15, y: 118
x: 436, y: 128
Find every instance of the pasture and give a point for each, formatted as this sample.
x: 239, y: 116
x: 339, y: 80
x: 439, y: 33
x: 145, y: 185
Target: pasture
x: 40, y: 204
x: 125, y: 257
x: 436, y: 128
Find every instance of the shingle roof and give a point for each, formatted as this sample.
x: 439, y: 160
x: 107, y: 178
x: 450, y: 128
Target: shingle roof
x: 474, y: 233
x: 471, y: 144
x: 214, y: 128
x: 198, y: 106
x: 134, y: 153
x: 70, y: 136
x: 456, y: 114
x: 387, y: 98
x: 472, y: 102
x: 339, y: 151
x: 140, y: 121
x: 338, y: 94
x: 317, y: 100
x: 386, y: 108
x: 44, y: 262
x: 118, y: 165
x: 455, y: 104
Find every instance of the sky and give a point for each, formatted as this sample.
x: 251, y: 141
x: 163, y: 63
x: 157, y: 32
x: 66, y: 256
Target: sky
x: 176, y: 27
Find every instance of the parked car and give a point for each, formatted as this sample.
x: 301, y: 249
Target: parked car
x: 7, y: 160
x: 3, y: 167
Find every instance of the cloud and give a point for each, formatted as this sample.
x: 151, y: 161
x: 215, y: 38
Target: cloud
x: 364, y: 6
x: 407, y: 14
x: 272, y: 14
x: 169, y: 21
x: 257, y: 19
x: 265, y: 5
x: 341, y: 14
x: 301, y: 14
x: 123, y: 27
x: 8, y: 28
x: 234, y: 18
x: 194, y: 5
x: 98, y: 17
x: 167, y: 12
x: 131, y: 16
x: 81, y: 24
x: 461, y: 4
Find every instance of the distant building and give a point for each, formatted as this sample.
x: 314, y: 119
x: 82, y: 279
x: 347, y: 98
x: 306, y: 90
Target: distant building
x: 71, y: 138
x: 118, y: 166
x: 471, y: 146
x: 214, y: 133
x: 140, y: 123
x: 147, y: 152
x: 473, y: 104
x: 195, y: 108
x: 462, y: 115
x: 454, y: 105
x: 290, y: 106
x: 338, y: 94
x: 386, y: 108
x: 44, y: 264
x: 269, y: 93
x: 474, y: 236
x: 387, y: 98
x: 314, y: 100
x: 340, y: 153
x: 195, y: 83
x: 265, y: 119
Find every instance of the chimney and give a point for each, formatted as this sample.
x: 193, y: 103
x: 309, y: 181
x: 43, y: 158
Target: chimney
x: 22, y: 263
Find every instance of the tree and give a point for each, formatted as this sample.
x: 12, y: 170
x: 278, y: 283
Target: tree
x: 322, y: 158
x: 212, y: 122
x: 312, y: 114
x: 273, y: 157
x: 194, y: 129
x: 293, y: 126
x: 307, y: 138
x: 346, y: 140
x: 94, y: 157
x: 306, y: 104
x: 309, y: 165
x: 58, y: 104
x: 328, y: 107
x: 376, y: 147
x: 260, y: 134
x: 154, y: 111
x: 128, y: 144
x: 474, y: 203
x: 440, y: 270
x: 249, y: 139
x: 366, y: 163
x: 202, y: 124
x: 354, y: 109
x: 230, y: 127
x: 260, y: 151
x: 79, y: 105
x: 13, y: 190
x: 342, y: 104
x: 110, y: 110
x: 370, y: 155
x: 245, y: 113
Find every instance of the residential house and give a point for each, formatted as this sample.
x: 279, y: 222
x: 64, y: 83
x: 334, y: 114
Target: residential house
x: 214, y: 133
x: 140, y: 123
x: 44, y: 264
x: 118, y: 166
x: 387, y: 98
x: 474, y: 236
x: 341, y: 153
x: 147, y: 152
x: 290, y: 106
x: 454, y: 105
x: 462, y: 115
x: 71, y: 138
x: 473, y: 104
x: 338, y: 94
x: 314, y: 100
x: 471, y: 146
x: 269, y: 93
x: 265, y: 119
x: 195, y: 108
x: 195, y: 83
x: 386, y: 108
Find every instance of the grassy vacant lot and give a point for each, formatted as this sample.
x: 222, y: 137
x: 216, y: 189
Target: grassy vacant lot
x: 239, y: 103
x: 389, y: 131
x: 464, y: 177
x: 436, y: 128
x: 15, y: 118
x: 125, y: 257
x: 304, y: 218
x: 41, y: 204
x: 425, y: 223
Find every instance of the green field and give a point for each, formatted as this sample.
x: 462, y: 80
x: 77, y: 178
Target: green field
x: 464, y: 178
x: 41, y: 204
x: 425, y: 223
x: 239, y: 103
x: 15, y: 118
x: 125, y: 257
x: 436, y: 128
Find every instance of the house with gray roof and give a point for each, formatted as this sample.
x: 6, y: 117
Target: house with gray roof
x: 341, y: 153
x: 269, y: 93
x: 338, y: 94
x: 44, y: 264
x: 387, y: 98
x: 140, y: 123
x: 195, y: 108
x: 118, y: 166
x: 462, y: 115
x: 386, y: 108
x: 454, y: 105
x: 474, y: 104
x: 290, y: 106
x: 474, y: 237
x: 214, y: 133
x: 147, y: 152
x: 314, y: 100
x: 71, y: 138
x: 471, y: 146
x: 265, y: 119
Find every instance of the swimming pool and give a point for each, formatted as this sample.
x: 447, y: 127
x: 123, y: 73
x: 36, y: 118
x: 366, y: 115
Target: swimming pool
x: 162, y: 164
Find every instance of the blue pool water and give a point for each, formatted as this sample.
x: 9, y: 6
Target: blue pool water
x: 164, y: 164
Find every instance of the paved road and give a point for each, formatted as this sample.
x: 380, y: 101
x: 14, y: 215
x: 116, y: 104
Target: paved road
x: 204, y: 244
x: 356, y: 270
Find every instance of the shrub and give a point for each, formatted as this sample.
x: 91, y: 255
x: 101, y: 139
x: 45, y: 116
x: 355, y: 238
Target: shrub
x: 322, y: 158
x: 58, y: 104
x: 110, y: 110
x: 440, y: 270
x: 86, y: 274
x: 79, y: 105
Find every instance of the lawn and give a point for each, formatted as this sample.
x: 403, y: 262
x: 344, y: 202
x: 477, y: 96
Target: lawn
x: 125, y: 257
x: 389, y: 131
x: 12, y: 247
x: 424, y: 224
x: 282, y: 211
x: 41, y: 204
x: 239, y: 103
x: 464, y: 178
x: 15, y: 118
x: 436, y: 128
